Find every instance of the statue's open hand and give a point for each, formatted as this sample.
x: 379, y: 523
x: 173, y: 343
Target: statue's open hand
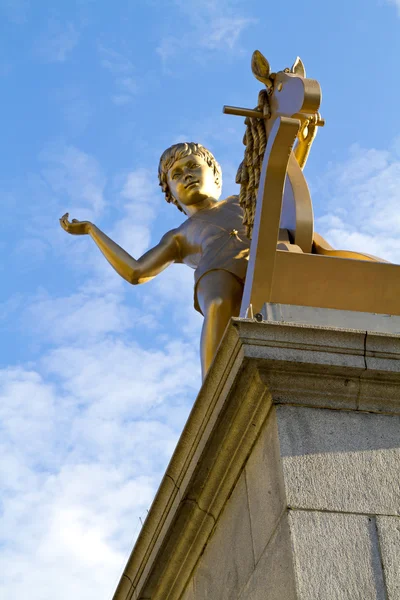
x: 75, y: 227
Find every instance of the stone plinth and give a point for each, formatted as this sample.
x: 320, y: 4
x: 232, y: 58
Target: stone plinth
x: 285, y: 483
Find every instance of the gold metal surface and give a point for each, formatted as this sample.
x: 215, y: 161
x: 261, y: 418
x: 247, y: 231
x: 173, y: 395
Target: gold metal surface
x: 332, y: 282
x: 321, y: 246
x: 261, y: 69
x: 268, y: 210
x: 212, y: 241
x: 303, y: 235
x: 362, y: 283
x: 290, y: 94
x: 242, y: 112
x: 284, y: 265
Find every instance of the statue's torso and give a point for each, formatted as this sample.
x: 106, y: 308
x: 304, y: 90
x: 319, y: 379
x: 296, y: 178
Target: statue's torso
x: 215, y: 238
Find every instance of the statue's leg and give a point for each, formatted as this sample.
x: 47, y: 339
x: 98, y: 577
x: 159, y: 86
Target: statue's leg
x: 219, y: 294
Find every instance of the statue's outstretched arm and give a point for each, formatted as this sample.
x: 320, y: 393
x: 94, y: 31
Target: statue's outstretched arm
x: 135, y: 271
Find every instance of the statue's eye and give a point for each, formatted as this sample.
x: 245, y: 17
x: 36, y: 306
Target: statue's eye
x: 175, y: 175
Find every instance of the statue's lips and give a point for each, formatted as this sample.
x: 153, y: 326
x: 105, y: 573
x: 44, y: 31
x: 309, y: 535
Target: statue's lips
x: 188, y: 185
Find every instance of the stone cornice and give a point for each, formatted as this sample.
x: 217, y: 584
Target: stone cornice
x: 257, y: 364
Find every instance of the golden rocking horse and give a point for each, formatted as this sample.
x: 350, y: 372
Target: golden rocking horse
x: 290, y: 263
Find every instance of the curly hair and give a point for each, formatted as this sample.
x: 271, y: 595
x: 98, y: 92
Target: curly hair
x: 178, y: 151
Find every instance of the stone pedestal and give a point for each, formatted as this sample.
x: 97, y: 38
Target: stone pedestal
x: 285, y: 483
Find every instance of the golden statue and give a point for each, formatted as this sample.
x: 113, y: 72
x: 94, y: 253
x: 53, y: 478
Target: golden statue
x: 266, y: 232
x: 212, y: 241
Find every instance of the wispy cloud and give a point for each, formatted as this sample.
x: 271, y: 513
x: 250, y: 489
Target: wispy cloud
x: 122, y: 69
x: 75, y: 479
x: 224, y: 32
x: 140, y: 196
x: 139, y: 185
x: 75, y: 176
x: 57, y: 42
x: 80, y: 316
x: 63, y: 179
x: 88, y: 426
x: 362, y: 195
x: 209, y: 25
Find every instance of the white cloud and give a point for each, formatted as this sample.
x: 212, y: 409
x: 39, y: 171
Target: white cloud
x: 75, y: 176
x: 73, y: 181
x: 210, y: 25
x: 97, y: 308
x: 122, y: 69
x: 67, y: 529
x: 32, y: 250
x: 58, y: 42
x: 139, y: 185
x: 66, y: 179
x: 88, y: 428
x: 80, y: 316
x: 82, y: 451
x: 172, y: 293
x: 224, y: 32
x: 169, y: 46
x: 362, y: 195
x: 138, y: 379
x: 114, y: 61
x: 141, y: 195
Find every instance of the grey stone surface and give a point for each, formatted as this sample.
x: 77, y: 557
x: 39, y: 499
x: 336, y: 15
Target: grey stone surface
x: 335, y: 466
x: 265, y: 485
x: 318, y: 388
x: 228, y: 560
x: 290, y: 335
x: 389, y: 541
x: 329, y: 317
x: 379, y: 394
x: 340, y: 460
x: 336, y: 557
x: 273, y: 577
x: 383, y: 352
x: 303, y: 344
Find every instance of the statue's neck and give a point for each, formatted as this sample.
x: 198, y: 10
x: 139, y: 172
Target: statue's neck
x: 201, y: 205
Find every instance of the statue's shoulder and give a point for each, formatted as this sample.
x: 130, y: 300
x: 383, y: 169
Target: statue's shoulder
x: 232, y: 199
x: 232, y: 204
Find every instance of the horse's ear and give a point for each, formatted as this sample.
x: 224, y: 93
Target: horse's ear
x: 298, y: 67
x: 260, y: 67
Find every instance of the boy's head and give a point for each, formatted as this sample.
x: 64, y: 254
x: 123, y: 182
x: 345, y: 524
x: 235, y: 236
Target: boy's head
x: 188, y: 171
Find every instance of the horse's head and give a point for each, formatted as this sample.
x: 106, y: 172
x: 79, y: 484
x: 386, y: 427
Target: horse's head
x: 290, y: 93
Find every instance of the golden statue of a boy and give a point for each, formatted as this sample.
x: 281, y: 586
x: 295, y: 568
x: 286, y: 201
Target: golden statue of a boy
x: 212, y: 241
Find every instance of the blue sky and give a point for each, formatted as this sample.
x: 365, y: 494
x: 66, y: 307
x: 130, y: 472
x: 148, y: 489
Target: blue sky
x: 97, y: 377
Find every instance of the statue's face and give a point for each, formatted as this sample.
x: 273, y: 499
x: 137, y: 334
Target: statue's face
x: 191, y: 180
